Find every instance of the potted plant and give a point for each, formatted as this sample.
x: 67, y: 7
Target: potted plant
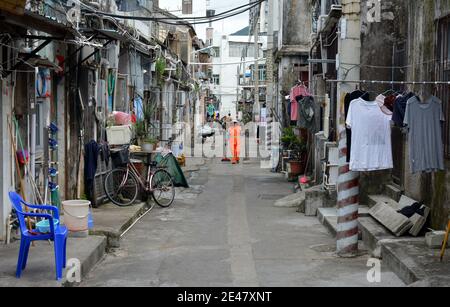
x: 140, y: 132
x: 149, y: 144
x: 293, y: 143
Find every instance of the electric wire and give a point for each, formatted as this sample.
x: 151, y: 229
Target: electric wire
x: 222, y: 16
x: 250, y: 4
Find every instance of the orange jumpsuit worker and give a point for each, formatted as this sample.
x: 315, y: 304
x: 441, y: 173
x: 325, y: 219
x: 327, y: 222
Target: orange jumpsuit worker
x: 235, y: 141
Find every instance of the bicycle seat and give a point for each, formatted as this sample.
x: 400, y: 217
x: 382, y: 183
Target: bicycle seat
x: 153, y: 164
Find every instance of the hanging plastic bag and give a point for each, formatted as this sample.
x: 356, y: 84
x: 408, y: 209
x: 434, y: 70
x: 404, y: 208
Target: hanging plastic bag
x: 121, y: 118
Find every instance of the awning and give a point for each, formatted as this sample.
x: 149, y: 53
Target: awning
x: 43, y: 62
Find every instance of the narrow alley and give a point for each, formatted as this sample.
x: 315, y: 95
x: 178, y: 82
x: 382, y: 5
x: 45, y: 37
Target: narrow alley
x: 231, y: 235
x: 226, y: 144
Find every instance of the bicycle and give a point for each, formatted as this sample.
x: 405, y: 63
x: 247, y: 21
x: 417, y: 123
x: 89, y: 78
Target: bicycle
x: 122, y: 184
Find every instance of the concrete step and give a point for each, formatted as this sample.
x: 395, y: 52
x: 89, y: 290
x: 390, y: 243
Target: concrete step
x: 396, y: 222
x: 393, y: 192
x: 363, y: 211
x: 408, y: 257
x: 374, y: 199
x: 316, y: 197
x: 40, y: 270
x: 329, y: 217
x: 404, y: 263
x: 296, y: 200
x: 373, y: 232
x: 95, y: 249
x: 111, y: 221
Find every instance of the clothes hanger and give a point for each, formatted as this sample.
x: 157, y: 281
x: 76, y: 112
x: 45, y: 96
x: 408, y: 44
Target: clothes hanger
x: 389, y: 91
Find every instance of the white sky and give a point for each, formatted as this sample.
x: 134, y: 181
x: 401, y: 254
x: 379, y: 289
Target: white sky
x: 226, y: 26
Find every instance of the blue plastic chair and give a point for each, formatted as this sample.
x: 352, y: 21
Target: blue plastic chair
x: 57, y: 234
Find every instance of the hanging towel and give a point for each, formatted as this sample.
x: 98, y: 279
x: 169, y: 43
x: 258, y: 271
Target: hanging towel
x: 91, y: 151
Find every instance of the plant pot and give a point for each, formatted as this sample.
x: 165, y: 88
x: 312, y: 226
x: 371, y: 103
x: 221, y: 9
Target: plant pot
x: 296, y: 167
x: 147, y: 147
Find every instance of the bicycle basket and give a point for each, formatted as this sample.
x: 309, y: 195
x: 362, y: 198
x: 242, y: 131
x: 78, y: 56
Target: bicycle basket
x: 120, y: 158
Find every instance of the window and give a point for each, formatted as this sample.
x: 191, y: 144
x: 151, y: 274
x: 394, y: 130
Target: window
x: 215, y: 52
x: 216, y: 79
x: 261, y: 72
x: 238, y: 50
x: 187, y: 7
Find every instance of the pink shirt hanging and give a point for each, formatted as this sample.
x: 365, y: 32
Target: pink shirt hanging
x: 299, y: 90
x: 294, y: 111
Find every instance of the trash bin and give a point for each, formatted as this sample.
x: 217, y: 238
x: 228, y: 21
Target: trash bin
x: 76, y: 213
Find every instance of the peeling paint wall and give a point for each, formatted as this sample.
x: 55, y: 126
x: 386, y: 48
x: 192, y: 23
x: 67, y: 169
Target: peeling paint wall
x: 380, y: 45
x: 296, y: 23
x: 433, y: 189
x: 412, y: 26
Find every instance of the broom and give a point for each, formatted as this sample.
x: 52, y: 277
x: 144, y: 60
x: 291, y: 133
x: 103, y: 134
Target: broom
x: 22, y: 186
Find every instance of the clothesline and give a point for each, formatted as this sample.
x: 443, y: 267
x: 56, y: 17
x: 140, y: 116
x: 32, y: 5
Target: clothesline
x: 391, y: 82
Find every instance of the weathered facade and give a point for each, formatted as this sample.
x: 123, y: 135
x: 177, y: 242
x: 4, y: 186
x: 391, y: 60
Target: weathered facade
x: 73, y: 67
x: 403, y: 41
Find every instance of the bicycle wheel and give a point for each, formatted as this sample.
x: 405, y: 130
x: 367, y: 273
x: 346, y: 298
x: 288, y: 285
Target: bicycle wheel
x: 163, y: 189
x: 121, y: 187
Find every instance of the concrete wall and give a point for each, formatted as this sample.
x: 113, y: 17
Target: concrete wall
x: 297, y: 23
x: 378, y: 41
x: 434, y: 189
x: 413, y: 24
x: 5, y: 154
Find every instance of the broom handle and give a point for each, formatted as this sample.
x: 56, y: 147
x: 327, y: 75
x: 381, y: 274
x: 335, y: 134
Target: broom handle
x: 22, y: 188
x: 444, y: 244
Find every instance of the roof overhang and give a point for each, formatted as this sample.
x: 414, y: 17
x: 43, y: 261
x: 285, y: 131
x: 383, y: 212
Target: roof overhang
x: 293, y: 50
x: 31, y: 20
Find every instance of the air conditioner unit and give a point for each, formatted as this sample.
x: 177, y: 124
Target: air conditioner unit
x: 331, y: 166
x: 85, y: 52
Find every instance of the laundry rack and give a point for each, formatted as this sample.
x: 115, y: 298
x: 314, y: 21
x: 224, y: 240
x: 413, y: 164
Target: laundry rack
x: 391, y: 82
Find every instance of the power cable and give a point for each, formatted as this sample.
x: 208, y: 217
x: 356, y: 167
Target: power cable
x: 163, y: 20
x: 249, y: 5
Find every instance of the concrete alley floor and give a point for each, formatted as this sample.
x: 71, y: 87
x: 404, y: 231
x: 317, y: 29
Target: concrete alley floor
x: 230, y: 234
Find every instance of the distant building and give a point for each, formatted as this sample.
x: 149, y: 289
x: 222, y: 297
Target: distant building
x: 231, y: 83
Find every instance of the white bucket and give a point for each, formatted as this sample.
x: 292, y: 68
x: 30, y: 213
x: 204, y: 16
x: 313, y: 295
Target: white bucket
x: 76, y: 214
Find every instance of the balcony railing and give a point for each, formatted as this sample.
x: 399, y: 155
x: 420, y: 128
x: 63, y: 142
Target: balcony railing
x: 50, y: 9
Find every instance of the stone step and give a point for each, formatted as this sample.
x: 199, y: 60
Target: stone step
x: 296, y: 200
x: 393, y: 192
x: 373, y: 232
x: 328, y: 217
x: 363, y: 211
x: 317, y: 197
x: 380, y: 198
x: 397, y: 223
x: 399, y: 260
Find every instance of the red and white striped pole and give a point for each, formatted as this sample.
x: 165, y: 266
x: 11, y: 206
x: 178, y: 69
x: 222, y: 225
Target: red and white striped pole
x: 349, y: 49
x: 348, y: 198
